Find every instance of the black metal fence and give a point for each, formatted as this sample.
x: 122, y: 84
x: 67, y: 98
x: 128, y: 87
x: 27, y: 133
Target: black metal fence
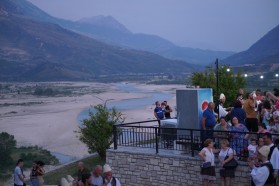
x: 189, y: 141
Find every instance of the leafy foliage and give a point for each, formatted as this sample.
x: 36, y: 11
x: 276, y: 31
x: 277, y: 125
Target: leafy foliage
x: 97, y: 131
x: 9, y: 155
x: 229, y: 83
x: 7, y: 143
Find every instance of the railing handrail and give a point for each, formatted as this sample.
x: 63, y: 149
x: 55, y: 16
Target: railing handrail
x: 188, y: 129
x: 162, y: 131
x: 138, y: 122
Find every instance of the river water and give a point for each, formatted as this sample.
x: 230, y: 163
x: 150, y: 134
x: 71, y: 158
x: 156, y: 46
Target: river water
x: 129, y: 104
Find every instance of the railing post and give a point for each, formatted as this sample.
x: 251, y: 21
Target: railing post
x: 156, y: 139
x: 114, y: 130
x: 159, y: 131
x: 192, y: 142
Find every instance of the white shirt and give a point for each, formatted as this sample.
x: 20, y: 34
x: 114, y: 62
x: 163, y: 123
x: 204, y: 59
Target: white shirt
x: 117, y: 182
x: 252, y: 149
x: 97, y: 181
x: 260, y: 175
x: 17, y: 175
x: 222, y: 111
x: 209, y: 156
x: 274, y: 160
x: 223, y: 153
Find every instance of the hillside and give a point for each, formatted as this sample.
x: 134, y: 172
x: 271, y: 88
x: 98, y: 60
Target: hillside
x: 31, y: 50
x: 109, y: 30
x: 264, y: 51
x: 101, y: 30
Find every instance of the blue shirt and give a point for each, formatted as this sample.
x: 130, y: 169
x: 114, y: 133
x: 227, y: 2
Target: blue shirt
x: 210, y: 119
x: 17, y: 174
x: 240, y: 114
x: 160, y: 113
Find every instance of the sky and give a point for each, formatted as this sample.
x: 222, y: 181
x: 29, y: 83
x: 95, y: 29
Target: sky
x: 227, y: 25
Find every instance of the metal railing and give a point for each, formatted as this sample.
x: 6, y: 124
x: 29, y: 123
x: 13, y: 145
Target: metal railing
x: 189, y: 141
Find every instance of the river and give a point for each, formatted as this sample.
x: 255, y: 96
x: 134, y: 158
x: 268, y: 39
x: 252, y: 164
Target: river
x: 130, y: 104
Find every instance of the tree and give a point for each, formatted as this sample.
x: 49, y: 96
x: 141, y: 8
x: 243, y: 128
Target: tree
x: 229, y: 83
x: 97, y: 131
x: 7, y: 143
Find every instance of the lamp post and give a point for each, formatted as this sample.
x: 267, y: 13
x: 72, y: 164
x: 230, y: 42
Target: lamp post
x: 217, y: 84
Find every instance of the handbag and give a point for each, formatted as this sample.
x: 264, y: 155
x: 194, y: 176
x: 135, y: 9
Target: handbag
x: 206, y: 164
x: 232, y: 164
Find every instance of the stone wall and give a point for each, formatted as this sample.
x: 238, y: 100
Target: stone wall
x: 144, y: 167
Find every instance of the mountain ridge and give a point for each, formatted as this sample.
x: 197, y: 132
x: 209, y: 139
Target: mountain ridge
x: 265, y: 47
x: 41, y: 51
x: 126, y: 39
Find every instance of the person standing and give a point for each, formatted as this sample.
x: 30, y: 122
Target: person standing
x: 207, y: 154
x: 238, y: 138
x: 33, y: 175
x: 168, y: 110
x: 18, y: 174
x: 238, y: 112
x: 273, y: 155
x: 40, y: 172
x: 251, y: 113
x: 208, y: 121
x: 97, y: 179
x: 81, y: 170
x: 226, y: 174
x: 158, y: 113
x: 221, y: 131
x: 109, y: 180
x: 222, y: 112
x: 262, y: 175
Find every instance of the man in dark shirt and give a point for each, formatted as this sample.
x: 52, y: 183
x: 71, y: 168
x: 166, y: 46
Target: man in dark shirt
x: 81, y: 170
x: 168, y: 110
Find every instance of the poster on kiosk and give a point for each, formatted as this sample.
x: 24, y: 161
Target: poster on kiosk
x: 204, y: 97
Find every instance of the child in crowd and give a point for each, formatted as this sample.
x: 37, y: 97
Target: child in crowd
x: 262, y: 128
x: 274, y: 128
x: 252, y: 148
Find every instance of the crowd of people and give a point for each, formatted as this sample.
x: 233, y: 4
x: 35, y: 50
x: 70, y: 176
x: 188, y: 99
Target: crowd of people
x: 36, y: 174
x: 248, y: 131
x: 99, y: 176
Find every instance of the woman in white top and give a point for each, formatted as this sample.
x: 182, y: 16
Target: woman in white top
x: 225, y: 174
x: 207, y: 154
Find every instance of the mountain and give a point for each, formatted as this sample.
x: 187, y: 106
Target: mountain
x: 41, y: 51
x: 261, y: 58
x: 105, y: 22
x: 109, y: 30
x: 265, y: 50
x: 103, y: 31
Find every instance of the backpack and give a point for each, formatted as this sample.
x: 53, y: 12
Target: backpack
x: 113, y: 183
x: 270, y: 179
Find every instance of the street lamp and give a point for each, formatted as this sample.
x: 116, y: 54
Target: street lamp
x: 217, y: 84
x: 261, y: 76
x: 245, y: 75
x: 228, y: 69
x: 276, y: 75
